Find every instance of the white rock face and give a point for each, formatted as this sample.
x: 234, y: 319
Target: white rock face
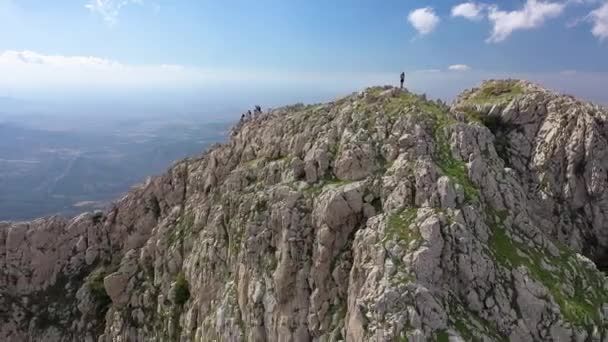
x: 377, y: 217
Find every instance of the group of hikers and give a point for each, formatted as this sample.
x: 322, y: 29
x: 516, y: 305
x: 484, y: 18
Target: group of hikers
x: 248, y: 116
x: 257, y: 110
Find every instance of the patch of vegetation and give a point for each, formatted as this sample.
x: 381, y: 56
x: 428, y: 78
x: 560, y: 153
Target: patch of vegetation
x: 235, y: 236
x: 399, y: 226
x: 402, y: 337
x: 497, y: 92
x: 98, y: 291
x: 152, y: 205
x: 472, y: 115
x: 336, y: 183
x: 182, y: 228
x: 375, y: 91
x: 369, y: 124
x: 334, y: 149
x: 285, y: 160
x: 337, y: 312
x: 468, y: 322
x: 450, y: 166
x: 55, y: 302
x: 182, y: 289
x: 255, y: 163
x: 407, y: 102
x: 463, y: 329
x: 261, y: 205
x: 313, y: 191
x: 273, y: 262
x: 582, y: 307
x: 504, y: 249
x: 443, y: 336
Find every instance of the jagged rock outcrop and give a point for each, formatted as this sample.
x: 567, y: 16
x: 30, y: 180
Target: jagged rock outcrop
x: 558, y: 145
x: 380, y: 216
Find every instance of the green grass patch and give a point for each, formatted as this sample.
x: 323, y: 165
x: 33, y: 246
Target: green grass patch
x: 442, y: 336
x: 407, y: 102
x: 472, y: 115
x: 96, y: 288
x: 182, y: 289
x: 336, y: 183
x: 399, y: 226
x: 313, y: 191
x: 254, y: 164
x: 375, y: 91
x: 287, y: 159
x: 450, y: 166
x: 581, y: 308
x: 497, y: 92
x: 463, y: 329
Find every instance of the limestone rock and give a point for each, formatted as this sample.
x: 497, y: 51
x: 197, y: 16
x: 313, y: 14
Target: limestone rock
x: 380, y: 216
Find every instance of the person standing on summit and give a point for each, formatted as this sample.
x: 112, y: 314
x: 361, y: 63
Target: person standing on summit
x: 402, y: 79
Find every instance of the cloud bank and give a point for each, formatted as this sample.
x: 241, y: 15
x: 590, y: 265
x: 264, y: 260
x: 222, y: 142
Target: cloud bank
x: 424, y: 20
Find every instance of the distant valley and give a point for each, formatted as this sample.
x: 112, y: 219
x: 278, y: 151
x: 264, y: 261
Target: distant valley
x: 72, y: 170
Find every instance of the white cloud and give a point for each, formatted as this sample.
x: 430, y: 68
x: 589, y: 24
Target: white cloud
x: 424, y: 20
x: 599, y: 19
x: 58, y: 61
x: 468, y: 10
x: 109, y: 9
x: 459, y: 67
x: 28, y: 69
x: 532, y: 15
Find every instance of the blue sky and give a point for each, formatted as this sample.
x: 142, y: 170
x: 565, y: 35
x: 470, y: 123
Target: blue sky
x: 314, y: 47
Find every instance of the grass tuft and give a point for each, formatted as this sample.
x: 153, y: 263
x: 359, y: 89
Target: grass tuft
x: 497, y: 92
x: 182, y: 289
x: 399, y: 226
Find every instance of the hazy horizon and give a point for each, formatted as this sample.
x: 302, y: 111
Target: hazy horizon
x: 228, y: 102
x: 155, y: 57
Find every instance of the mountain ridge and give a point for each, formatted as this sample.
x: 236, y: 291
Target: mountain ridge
x: 381, y: 215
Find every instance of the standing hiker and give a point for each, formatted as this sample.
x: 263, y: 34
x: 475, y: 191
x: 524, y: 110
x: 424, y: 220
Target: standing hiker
x: 402, y: 79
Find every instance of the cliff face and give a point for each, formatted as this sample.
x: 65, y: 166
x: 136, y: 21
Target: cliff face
x: 380, y: 216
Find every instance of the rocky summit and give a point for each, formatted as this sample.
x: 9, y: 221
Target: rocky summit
x: 381, y: 216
